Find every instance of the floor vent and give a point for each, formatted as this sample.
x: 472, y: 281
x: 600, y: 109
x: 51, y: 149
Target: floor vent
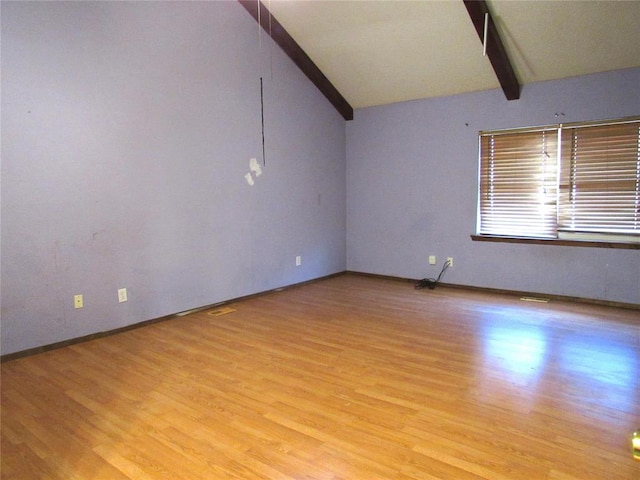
x: 534, y: 299
x: 221, y: 311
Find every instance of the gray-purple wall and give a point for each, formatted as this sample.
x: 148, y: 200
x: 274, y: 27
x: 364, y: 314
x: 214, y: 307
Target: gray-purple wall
x: 127, y: 133
x: 412, y: 190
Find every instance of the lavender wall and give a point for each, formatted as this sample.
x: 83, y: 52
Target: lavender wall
x: 412, y: 189
x: 127, y: 131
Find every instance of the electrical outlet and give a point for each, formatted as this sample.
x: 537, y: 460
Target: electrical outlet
x: 78, y: 301
x: 432, y: 260
x: 450, y: 261
x: 122, y: 295
x: 298, y: 261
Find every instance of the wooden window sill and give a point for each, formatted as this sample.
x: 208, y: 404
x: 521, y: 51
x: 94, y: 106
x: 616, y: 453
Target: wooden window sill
x: 558, y: 242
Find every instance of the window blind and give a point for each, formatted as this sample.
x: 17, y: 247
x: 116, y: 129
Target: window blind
x: 600, y: 179
x: 518, y: 183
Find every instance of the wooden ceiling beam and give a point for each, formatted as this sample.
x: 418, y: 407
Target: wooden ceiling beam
x: 271, y: 25
x: 495, y: 48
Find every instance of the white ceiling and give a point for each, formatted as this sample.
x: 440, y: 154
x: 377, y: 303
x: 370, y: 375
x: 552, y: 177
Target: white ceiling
x: 386, y: 51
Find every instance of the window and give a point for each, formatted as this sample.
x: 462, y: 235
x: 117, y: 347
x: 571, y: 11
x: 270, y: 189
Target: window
x: 571, y: 181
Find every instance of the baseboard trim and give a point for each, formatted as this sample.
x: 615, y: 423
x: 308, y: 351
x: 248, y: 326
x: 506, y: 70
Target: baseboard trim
x: 94, y: 336
x: 500, y: 291
x: 107, y: 333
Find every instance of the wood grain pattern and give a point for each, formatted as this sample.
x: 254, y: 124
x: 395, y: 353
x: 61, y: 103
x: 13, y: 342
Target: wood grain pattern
x: 348, y: 378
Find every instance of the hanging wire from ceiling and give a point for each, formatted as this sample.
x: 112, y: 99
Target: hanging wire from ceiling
x: 264, y: 158
x: 486, y: 29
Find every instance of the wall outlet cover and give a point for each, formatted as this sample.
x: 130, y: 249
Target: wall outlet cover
x: 122, y: 295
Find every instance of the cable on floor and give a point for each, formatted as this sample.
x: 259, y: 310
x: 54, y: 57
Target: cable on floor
x: 431, y: 283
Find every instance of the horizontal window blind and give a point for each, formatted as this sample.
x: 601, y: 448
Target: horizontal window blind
x: 518, y: 183
x: 600, y: 179
x: 578, y: 181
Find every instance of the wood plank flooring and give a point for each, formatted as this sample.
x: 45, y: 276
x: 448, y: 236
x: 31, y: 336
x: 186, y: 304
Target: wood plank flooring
x: 347, y: 378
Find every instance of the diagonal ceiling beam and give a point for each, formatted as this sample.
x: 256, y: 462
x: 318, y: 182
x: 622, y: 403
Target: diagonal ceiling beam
x: 495, y: 48
x: 270, y: 25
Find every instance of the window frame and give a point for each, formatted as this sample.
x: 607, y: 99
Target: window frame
x: 560, y: 237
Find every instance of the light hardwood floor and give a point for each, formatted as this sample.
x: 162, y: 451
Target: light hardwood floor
x: 346, y: 378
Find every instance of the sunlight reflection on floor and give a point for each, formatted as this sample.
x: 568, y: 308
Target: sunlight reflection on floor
x: 524, y: 345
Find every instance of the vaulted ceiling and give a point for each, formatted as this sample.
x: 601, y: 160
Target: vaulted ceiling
x: 381, y: 52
